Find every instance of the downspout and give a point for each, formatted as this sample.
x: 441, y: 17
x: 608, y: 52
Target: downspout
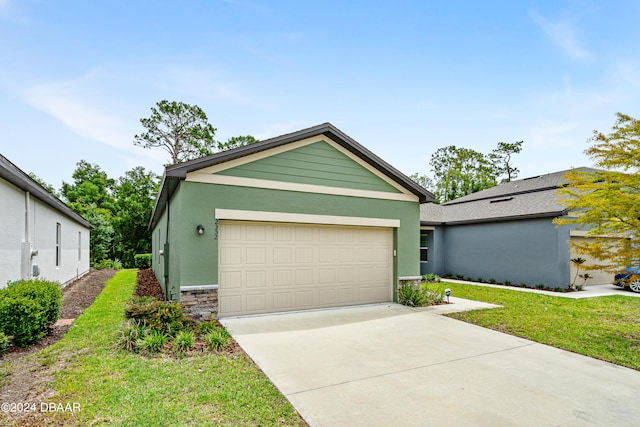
x: 165, y: 252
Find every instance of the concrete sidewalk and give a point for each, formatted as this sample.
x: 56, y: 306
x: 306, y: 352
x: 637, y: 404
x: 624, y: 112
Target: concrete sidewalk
x: 387, y: 364
x: 589, y: 291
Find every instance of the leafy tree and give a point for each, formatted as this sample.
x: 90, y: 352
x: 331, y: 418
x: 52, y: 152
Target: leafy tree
x: 134, y: 197
x: 50, y: 188
x: 422, y: 180
x: 606, y: 202
x: 501, y: 159
x: 101, y: 240
x: 182, y: 130
x: 91, y: 187
x: 91, y: 196
x: 237, y: 141
x: 460, y: 171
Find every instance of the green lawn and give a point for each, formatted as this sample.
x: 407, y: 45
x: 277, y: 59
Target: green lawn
x: 115, y: 388
x: 606, y: 328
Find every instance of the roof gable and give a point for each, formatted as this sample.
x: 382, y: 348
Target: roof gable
x: 378, y: 173
x: 316, y: 161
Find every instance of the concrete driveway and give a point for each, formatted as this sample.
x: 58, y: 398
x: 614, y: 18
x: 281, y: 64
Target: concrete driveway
x: 390, y: 365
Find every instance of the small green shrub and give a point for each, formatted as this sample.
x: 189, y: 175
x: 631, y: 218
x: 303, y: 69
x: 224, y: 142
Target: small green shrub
x: 152, y: 341
x: 448, y: 276
x: 558, y: 289
x: 184, y: 340
x: 162, y: 315
x: 459, y: 276
x: 203, y: 328
x: 411, y: 295
x: 142, y: 261
x: 492, y: 281
x: 507, y: 283
x: 433, y: 294
x: 539, y: 285
x: 431, y: 278
x: 129, y: 334
x: 523, y: 285
x: 217, y: 340
x: 5, y: 342
x: 480, y: 280
x: 27, y: 308
x: 107, y: 263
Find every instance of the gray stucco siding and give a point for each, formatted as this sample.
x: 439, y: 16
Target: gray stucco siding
x: 524, y: 251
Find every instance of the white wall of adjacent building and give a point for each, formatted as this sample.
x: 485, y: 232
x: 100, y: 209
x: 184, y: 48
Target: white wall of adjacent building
x: 36, y: 238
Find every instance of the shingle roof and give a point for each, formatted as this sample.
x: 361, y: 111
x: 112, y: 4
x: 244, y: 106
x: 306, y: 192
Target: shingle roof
x: 525, y: 198
x: 14, y: 175
x: 174, y: 173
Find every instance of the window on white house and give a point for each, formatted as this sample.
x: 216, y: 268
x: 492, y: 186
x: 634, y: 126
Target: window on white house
x: 58, y: 242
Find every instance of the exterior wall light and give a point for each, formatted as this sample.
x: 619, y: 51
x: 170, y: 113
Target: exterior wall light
x: 200, y: 229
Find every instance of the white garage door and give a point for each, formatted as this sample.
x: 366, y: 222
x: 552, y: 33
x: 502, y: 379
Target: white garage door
x: 271, y: 267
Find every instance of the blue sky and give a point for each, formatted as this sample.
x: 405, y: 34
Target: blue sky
x: 402, y: 78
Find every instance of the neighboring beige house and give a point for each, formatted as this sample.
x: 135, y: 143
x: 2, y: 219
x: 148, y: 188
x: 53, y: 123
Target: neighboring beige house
x: 40, y: 236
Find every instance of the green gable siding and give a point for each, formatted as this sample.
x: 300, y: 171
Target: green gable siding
x: 318, y: 163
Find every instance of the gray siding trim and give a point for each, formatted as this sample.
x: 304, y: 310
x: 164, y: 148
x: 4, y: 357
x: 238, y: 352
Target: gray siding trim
x: 14, y: 175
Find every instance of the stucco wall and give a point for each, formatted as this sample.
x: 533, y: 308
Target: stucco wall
x: 524, y: 251
x: 11, y: 231
x: 40, y: 234
x: 194, y: 258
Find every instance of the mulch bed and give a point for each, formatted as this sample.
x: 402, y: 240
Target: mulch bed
x: 148, y: 285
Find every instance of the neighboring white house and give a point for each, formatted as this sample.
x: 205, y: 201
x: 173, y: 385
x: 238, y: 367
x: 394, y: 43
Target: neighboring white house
x: 40, y: 236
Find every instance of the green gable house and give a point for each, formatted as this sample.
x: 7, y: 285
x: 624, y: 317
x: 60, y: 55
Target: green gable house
x: 310, y: 219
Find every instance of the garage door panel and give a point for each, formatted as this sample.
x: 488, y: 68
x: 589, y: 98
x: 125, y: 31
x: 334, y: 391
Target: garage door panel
x: 301, y: 266
x: 256, y: 302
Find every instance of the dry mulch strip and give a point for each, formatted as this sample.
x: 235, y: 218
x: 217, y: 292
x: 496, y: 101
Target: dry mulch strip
x: 148, y: 285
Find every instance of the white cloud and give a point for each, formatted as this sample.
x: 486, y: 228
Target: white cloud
x: 563, y: 35
x: 76, y: 102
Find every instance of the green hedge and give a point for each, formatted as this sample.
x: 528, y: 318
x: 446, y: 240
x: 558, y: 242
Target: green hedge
x: 27, y: 308
x: 142, y: 261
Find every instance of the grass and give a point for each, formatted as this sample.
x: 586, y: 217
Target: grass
x: 117, y: 388
x: 606, y: 328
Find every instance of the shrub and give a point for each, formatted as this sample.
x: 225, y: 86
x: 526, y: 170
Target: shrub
x: 27, y: 308
x: 411, y: 295
x: 217, y: 340
x: 507, y: 283
x: 459, y: 276
x: 492, y: 281
x: 161, y: 315
x: 142, y: 261
x: 539, y: 285
x: 5, y: 342
x: 433, y: 294
x: 107, y: 263
x: 129, y: 335
x: 558, y: 289
x: 184, y: 340
x: 480, y: 280
x: 203, y: 328
x: 431, y: 278
x: 152, y: 341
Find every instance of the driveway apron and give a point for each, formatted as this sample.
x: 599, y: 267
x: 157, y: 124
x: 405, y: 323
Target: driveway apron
x: 387, y: 364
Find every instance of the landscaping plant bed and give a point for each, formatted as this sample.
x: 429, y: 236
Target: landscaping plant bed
x: 76, y: 297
